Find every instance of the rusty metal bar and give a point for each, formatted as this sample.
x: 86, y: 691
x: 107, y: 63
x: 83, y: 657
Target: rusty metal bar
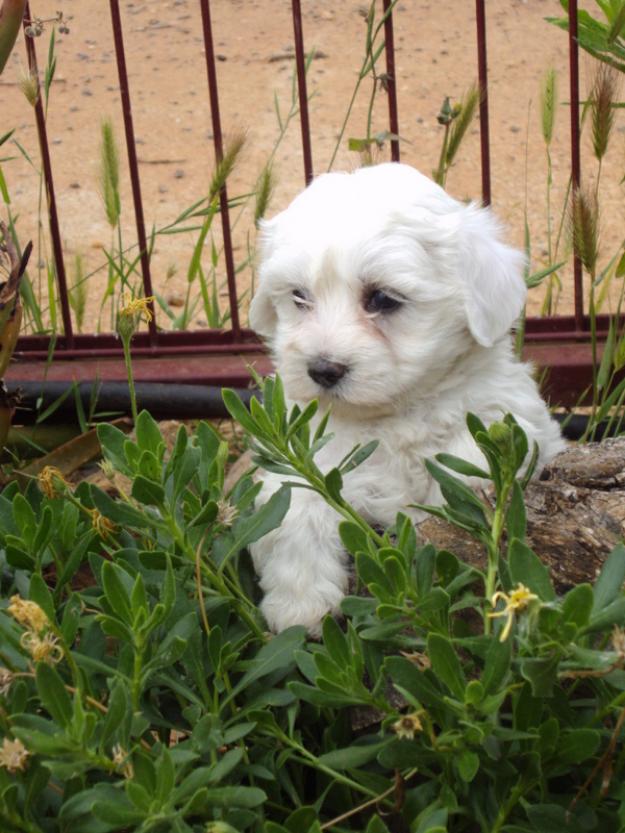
x: 300, y: 62
x: 211, y: 71
x: 133, y: 163
x: 391, y: 85
x: 55, y: 232
x: 575, y: 152
x: 482, y: 69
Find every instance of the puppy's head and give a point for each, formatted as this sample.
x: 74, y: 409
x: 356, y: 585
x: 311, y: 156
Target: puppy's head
x: 373, y: 284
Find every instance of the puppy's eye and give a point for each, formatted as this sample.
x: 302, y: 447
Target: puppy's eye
x: 378, y: 301
x: 300, y: 299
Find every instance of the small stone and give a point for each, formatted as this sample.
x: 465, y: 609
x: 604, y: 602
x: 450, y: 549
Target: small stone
x: 178, y: 173
x: 175, y: 299
x: 74, y: 185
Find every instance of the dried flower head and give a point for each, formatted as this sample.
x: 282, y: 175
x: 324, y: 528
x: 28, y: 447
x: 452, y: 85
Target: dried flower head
x: 44, y: 648
x: 122, y: 761
x: 6, y: 680
x: 131, y: 313
x: 408, y: 725
x: 418, y: 658
x: 515, y: 602
x: 52, y: 482
x: 102, y: 525
x: 107, y: 469
x: 618, y: 641
x: 28, y: 613
x: 13, y: 755
x: 226, y: 512
x: 29, y: 85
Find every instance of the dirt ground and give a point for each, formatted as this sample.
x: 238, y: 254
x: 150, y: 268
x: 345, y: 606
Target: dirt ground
x: 435, y: 57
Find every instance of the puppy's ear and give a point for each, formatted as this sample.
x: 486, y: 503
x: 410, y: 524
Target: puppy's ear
x: 492, y: 274
x: 262, y: 315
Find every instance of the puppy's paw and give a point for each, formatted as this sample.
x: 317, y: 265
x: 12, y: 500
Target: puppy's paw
x: 282, y: 609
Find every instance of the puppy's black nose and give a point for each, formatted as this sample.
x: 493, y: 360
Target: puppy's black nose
x: 326, y: 373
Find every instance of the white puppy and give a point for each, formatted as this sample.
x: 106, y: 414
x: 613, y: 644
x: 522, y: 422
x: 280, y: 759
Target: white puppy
x: 391, y: 303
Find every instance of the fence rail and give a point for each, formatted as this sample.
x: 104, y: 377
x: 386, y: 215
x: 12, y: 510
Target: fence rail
x: 211, y: 356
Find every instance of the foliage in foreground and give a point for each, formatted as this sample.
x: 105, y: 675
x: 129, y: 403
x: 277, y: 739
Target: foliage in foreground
x: 139, y: 691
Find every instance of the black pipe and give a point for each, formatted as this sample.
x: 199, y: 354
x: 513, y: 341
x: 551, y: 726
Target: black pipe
x: 163, y: 401
x: 168, y: 401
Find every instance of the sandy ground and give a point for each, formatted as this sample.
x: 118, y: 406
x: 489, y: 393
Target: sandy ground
x: 435, y: 57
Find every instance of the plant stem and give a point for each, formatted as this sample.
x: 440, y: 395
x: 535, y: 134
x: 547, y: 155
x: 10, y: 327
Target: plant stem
x: 131, y: 381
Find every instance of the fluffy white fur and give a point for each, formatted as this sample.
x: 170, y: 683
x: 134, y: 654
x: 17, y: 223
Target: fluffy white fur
x: 413, y: 372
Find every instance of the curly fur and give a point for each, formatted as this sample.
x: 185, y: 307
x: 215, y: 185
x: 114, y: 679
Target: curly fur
x: 412, y: 372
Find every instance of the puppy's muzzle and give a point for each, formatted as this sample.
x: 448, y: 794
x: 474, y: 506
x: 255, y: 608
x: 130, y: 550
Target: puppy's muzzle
x: 326, y: 373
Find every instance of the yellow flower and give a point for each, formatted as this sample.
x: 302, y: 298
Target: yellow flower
x: 52, y: 481
x: 13, y: 755
x: 42, y: 648
x: 28, y: 613
x: 408, y: 725
x: 6, y: 678
x: 136, y: 307
x: 518, y: 601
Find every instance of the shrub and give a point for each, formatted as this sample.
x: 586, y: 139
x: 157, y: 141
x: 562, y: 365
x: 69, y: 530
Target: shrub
x: 140, y: 692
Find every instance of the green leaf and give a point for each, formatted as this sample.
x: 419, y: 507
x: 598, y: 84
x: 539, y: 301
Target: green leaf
x: 578, y: 604
x: 497, y: 665
x: 122, y: 513
x: 334, y: 484
x: 541, y: 673
x: 609, y: 584
x: 38, y: 592
x: 376, y: 825
x: 516, y: 520
x: 352, y: 757
x: 461, y: 466
x: 335, y: 642
x: 147, y: 491
x: 527, y: 568
x: 247, y: 797
x: 418, y: 683
x: 358, y: 456
x: 54, y: 697
x: 353, y: 537
x: 613, y: 614
x: 117, y: 708
x: 115, y: 591
x: 239, y: 412
x: 148, y: 434
x: 468, y: 764
x: 112, y: 441
x: 577, y: 745
x: 265, y: 519
x: 276, y: 655
x: 457, y: 494
x: 446, y: 665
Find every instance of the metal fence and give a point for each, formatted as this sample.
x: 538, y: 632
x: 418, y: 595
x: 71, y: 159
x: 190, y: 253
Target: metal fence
x: 221, y: 356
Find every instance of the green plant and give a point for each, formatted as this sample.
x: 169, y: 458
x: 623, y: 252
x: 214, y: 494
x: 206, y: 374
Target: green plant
x: 11, y: 15
x: 374, y: 47
x: 139, y: 691
x: 602, y: 40
x: 456, y: 121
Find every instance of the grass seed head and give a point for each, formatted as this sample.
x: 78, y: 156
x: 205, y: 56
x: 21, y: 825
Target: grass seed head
x: 603, y: 98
